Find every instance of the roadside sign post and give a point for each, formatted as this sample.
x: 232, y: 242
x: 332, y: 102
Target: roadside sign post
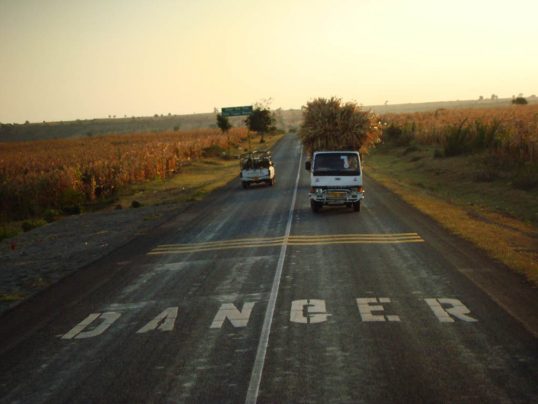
x: 238, y: 111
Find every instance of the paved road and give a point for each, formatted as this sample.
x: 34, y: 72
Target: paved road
x: 250, y: 297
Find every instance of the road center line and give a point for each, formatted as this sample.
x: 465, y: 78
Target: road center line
x: 256, y: 375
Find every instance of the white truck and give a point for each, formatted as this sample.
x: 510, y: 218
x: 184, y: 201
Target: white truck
x: 256, y: 167
x: 335, y: 179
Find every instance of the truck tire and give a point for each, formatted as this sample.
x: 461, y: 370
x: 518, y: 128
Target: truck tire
x: 357, y: 206
x: 315, y: 206
x: 245, y: 184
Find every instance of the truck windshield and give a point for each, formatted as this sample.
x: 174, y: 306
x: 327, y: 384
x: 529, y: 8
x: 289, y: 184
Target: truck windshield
x: 337, y: 164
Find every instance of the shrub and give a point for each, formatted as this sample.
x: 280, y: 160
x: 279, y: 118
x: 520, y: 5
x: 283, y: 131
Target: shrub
x: 392, y: 133
x: 213, y: 151
x: 457, y: 141
x: 50, y: 215
x: 70, y: 202
x: 485, y: 135
x: 8, y: 232
x: 526, y: 177
x: 486, y: 175
x: 520, y: 101
x: 410, y: 149
x: 28, y: 225
x: 438, y: 153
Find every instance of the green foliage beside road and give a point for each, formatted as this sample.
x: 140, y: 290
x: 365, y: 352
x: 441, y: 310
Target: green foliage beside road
x: 261, y: 121
x: 329, y: 124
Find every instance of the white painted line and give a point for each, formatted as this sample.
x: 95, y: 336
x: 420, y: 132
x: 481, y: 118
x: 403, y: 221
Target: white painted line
x: 256, y: 375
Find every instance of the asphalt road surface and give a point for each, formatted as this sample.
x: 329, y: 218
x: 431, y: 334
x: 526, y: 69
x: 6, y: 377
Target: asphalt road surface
x: 251, y: 297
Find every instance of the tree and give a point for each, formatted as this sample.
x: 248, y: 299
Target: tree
x: 330, y: 124
x: 223, y: 123
x: 519, y: 101
x: 260, y: 120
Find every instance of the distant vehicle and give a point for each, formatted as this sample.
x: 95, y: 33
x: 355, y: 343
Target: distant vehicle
x: 335, y: 179
x: 257, y: 167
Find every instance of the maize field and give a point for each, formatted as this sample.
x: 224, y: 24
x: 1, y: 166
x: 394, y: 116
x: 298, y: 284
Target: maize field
x: 510, y: 133
x: 65, y: 174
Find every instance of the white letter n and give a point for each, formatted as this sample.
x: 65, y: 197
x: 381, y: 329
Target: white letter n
x: 230, y: 312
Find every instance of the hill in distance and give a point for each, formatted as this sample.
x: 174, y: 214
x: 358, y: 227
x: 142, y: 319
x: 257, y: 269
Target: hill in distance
x: 285, y: 119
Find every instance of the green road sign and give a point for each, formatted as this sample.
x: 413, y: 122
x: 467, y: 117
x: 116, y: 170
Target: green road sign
x: 237, y: 111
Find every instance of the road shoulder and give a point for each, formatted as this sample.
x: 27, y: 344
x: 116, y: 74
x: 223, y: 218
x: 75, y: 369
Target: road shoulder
x: 509, y: 289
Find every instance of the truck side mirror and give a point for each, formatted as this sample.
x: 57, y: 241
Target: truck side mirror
x: 307, y: 165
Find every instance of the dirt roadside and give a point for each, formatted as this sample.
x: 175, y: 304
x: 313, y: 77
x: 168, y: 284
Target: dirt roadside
x: 32, y: 261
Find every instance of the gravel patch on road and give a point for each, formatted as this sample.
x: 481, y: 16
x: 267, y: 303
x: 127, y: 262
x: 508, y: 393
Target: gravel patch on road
x: 32, y: 261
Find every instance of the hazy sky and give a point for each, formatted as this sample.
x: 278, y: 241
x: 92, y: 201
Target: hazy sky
x: 63, y: 60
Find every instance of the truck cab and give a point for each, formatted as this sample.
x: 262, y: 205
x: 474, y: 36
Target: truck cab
x: 256, y: 167
x: 335, y: 179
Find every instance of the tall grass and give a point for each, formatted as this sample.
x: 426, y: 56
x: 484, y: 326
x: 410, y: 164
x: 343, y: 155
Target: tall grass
x: 63, y: 175
x: 511, y: 133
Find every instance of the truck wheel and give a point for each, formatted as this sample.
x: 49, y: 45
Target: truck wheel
x: 245, y: 184
x: 315, y: 206
x: 357, y: 206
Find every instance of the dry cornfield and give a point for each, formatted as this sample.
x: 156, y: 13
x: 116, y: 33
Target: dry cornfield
x: 510, y: 132
x: 64, y: 174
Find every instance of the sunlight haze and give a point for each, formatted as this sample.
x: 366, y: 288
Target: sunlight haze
x: 64, y: 60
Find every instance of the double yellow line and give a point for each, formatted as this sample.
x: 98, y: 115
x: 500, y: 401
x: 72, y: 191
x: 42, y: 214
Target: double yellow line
x: 316, y: 240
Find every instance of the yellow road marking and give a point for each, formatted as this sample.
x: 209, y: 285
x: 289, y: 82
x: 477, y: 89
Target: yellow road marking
x: 233, y: 241
x: 358, y: 242
x: 194, y: 247
x: 381, y: 235
x: 302, y: 240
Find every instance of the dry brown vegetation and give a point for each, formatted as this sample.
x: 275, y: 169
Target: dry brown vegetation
x: 330, y: 124
x: 475, y: 171
x: 510, y: 132
x: 60, y: 176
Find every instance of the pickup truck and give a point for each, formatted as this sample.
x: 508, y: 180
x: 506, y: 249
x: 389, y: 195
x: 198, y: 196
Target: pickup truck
x: 335, y: 179
x: 256, y: 167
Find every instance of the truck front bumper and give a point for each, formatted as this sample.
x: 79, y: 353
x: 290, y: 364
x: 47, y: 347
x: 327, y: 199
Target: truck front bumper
x: 336, y: 196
